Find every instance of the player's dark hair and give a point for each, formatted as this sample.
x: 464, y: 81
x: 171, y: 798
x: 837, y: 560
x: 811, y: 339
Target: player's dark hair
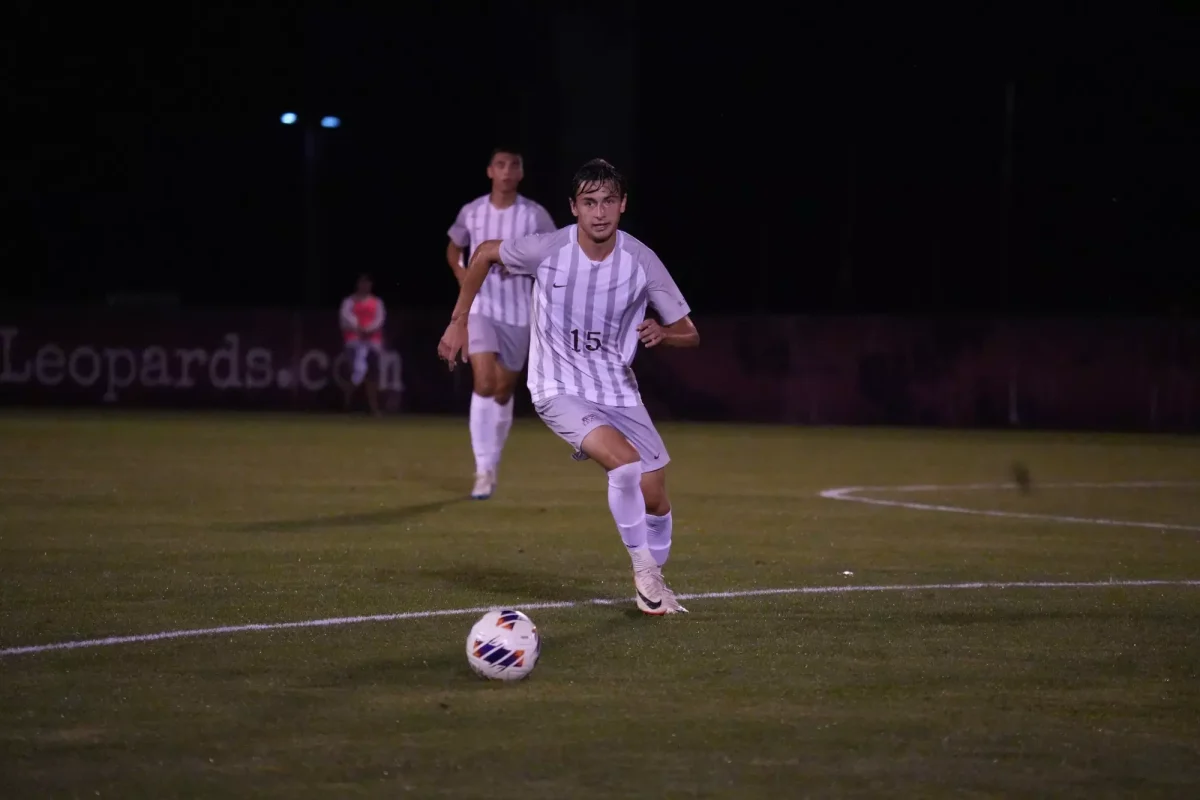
x: 512, y: 151
x: 594, y: 174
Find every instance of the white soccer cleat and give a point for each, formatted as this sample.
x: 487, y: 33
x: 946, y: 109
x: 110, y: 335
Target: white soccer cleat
x: 485, y: 484
x: 653, y: 596
x: 670, y: 600
x: 648, y: 587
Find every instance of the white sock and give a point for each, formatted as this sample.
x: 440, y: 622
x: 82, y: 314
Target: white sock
x: 658, y: 537
x: 628, y: 509
x: 483, y: 432
x: 503, y: 426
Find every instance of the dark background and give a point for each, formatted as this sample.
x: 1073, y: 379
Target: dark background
x: 779, y: 159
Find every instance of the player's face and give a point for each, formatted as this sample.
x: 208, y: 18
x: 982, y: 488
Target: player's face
x: 364, y: 286
x: 506, y: 171
x: 599, y: 210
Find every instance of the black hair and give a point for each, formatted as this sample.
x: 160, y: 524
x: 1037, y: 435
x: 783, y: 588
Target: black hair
x: 594, y: 174
x: 365, y: 276
x: 512, y: 151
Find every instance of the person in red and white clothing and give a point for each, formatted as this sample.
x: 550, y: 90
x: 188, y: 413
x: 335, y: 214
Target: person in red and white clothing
x: 362, y: 318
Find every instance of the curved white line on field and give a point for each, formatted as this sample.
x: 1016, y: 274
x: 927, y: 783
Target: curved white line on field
x: 598, y: 601
x: 853, y: 494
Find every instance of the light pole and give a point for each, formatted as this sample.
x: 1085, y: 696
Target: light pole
x: 312, y: 267
x: 1006, y: 186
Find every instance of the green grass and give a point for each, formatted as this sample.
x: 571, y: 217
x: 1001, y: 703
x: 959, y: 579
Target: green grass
x: 121, y: 524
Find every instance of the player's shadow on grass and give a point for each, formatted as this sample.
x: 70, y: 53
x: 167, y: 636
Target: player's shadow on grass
x: 514, y: 586
x: 358, y: 518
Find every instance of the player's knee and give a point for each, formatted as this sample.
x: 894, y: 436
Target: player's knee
x: 659, y: 506
x: 657, y: 502
x: 654, y: 490
x: 626, y: 476
x: 506, y: 384
x: 608, y: 448
x: 485, y: 384
x: 504, y: 389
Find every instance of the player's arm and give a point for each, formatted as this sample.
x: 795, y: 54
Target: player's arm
x: 454, y: 257
x: 519, y: 256
x: 680, y: 333
x: 346, y: 315
x: 543, y: 222
x: 473, y: 276
x: 676, y: 328
x: 460, y: 236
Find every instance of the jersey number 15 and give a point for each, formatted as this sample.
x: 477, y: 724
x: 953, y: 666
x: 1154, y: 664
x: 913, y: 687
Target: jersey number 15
x: 585, y: 340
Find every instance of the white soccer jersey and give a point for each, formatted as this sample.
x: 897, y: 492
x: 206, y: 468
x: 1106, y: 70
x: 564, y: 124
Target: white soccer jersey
x: 503, y: 298
x: 586, y: 313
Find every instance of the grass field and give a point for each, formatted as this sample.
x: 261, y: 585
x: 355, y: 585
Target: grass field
x: 114, y: 525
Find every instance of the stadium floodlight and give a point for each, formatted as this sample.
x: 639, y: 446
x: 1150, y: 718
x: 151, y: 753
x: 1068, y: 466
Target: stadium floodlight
x: 312, y: 135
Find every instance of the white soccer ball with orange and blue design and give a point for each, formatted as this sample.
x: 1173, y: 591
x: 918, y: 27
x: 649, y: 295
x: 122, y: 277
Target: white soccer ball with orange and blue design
x: 504, y: 645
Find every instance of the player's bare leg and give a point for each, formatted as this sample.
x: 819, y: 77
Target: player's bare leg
x: 369, y: 377
x: 372, y: 388
x: 621, y: 460
x: 491, y: 418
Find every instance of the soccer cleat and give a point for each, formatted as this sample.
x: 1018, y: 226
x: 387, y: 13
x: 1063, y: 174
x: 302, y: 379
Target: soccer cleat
x: 648, y: 586
x: 670, y: 600
x: 485, y: 484
x: 653, y: 596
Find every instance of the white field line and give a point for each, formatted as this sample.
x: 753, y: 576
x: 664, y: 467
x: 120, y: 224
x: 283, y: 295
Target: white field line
x: 599, y: 601
x: 848, y: 493
x: 853, y: 494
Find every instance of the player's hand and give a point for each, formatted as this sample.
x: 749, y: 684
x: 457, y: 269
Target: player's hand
x: 453, y: 345
x: 651, y: 333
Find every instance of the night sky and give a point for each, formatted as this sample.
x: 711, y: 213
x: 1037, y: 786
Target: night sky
x: 778, y: 160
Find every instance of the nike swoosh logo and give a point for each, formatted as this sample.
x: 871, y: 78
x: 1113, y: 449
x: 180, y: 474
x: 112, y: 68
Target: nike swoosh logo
x: 560, y: 286
x: 646, y: 600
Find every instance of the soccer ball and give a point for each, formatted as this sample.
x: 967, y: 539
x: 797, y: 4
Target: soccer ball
x: 503, y: 646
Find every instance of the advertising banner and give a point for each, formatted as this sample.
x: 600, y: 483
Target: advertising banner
x: 1119, y: 374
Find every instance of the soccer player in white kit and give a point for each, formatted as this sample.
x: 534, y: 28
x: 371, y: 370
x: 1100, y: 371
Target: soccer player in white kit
x: 498, y: 323
x: 592, y: 286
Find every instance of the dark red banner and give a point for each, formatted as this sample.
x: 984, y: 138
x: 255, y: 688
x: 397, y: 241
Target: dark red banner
x: 1032, y: 373
x: 266, y: 359
x: 1097, y: 374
